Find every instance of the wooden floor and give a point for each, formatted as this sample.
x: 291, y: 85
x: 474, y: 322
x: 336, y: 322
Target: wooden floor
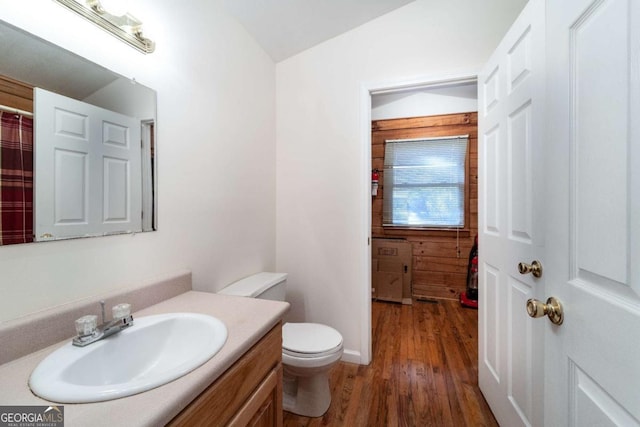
x: 424, y: 372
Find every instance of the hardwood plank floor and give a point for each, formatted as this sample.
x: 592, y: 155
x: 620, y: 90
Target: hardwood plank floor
x: 424, y: 372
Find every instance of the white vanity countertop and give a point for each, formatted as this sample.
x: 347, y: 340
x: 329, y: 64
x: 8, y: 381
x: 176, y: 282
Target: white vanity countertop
x: 246, y: 319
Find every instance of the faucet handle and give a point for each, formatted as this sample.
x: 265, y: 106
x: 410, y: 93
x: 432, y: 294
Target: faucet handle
x: 86, y: 325
x: 121, y: 311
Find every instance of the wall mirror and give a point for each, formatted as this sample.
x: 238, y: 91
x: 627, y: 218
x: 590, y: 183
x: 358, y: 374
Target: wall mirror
x: 77, y: 145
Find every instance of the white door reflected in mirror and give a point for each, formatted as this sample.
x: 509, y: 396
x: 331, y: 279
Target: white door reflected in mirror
x: 72, y: 76
x: 88, y: 163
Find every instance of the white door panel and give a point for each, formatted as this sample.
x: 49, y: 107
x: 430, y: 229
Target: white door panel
x: 70, y: 183
x: 511, y: 185
x: 116, y: 185
x: 88, y: 179
x: 592, y: 358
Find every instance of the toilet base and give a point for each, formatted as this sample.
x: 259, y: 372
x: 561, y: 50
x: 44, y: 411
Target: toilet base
x: 309, y: 396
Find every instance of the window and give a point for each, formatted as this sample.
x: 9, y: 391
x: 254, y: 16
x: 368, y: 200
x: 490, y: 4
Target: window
x: 424, y: 182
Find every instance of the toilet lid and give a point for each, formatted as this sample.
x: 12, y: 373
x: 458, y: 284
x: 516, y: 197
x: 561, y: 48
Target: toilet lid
x: 310, y: 338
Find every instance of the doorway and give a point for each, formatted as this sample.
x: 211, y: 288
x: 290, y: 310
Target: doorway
x: 437, y: 128
x: 427, y: 195
x: 378, y: 100
x: 439, y: 255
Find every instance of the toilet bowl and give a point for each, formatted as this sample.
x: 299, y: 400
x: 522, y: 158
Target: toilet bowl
x: 309, y: 350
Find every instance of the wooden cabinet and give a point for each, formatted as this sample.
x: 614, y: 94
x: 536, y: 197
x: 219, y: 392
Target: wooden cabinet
x: 247, y: 394
x: 262, y: 408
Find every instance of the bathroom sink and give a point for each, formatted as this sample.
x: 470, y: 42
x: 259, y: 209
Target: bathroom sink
x: 154, y: 351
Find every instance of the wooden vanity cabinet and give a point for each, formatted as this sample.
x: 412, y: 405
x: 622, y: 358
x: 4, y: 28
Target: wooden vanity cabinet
x: 247, y: 394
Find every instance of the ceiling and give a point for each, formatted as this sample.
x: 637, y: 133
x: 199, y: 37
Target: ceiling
x: 42, y: 64
x: 286, y: 27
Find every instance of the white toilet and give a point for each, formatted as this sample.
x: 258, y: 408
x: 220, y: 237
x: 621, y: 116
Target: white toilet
x: 309, y: 350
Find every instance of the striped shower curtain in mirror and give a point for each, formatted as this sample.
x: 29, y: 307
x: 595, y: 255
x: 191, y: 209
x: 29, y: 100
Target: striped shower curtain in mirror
x: 16, y: 178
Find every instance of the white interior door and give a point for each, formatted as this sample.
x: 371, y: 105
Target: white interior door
x: 593, y: 245
x: 87, y: 162
x: 511, y: 185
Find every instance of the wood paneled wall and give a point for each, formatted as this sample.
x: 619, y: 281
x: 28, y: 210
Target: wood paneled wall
x: 439, y: 263
x: 16, y: 94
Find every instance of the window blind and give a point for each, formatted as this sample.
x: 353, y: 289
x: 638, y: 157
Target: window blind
x: 424, y: 182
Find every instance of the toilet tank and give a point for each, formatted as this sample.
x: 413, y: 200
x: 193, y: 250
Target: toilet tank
x: 261, y: 285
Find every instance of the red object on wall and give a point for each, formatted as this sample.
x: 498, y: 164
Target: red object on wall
x: 374, y: 182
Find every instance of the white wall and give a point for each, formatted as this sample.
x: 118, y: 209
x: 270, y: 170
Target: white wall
x: 425, y: 102
x: 126, y: 98
x: 320, y: 189
x: 216, y: 138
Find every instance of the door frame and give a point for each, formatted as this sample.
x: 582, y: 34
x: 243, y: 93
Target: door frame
x: 367, y: 89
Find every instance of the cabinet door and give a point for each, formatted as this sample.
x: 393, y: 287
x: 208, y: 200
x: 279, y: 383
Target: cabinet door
x: 264, y: 407
x: 242, y: 393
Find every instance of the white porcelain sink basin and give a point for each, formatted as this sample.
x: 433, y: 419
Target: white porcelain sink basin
x: 154, y: 351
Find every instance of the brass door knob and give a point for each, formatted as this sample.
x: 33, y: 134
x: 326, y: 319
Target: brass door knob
x: 552, y: 309
x: 534, y: 268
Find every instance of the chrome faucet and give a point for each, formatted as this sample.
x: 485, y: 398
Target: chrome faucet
x: 89, y: 331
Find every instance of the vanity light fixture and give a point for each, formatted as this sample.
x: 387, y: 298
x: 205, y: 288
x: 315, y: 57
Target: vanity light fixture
x: 125, y: 26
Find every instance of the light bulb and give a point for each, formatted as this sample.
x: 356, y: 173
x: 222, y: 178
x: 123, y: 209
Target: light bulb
x: 115, y: 7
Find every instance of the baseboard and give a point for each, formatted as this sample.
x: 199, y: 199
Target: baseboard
x: 351, y: 356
